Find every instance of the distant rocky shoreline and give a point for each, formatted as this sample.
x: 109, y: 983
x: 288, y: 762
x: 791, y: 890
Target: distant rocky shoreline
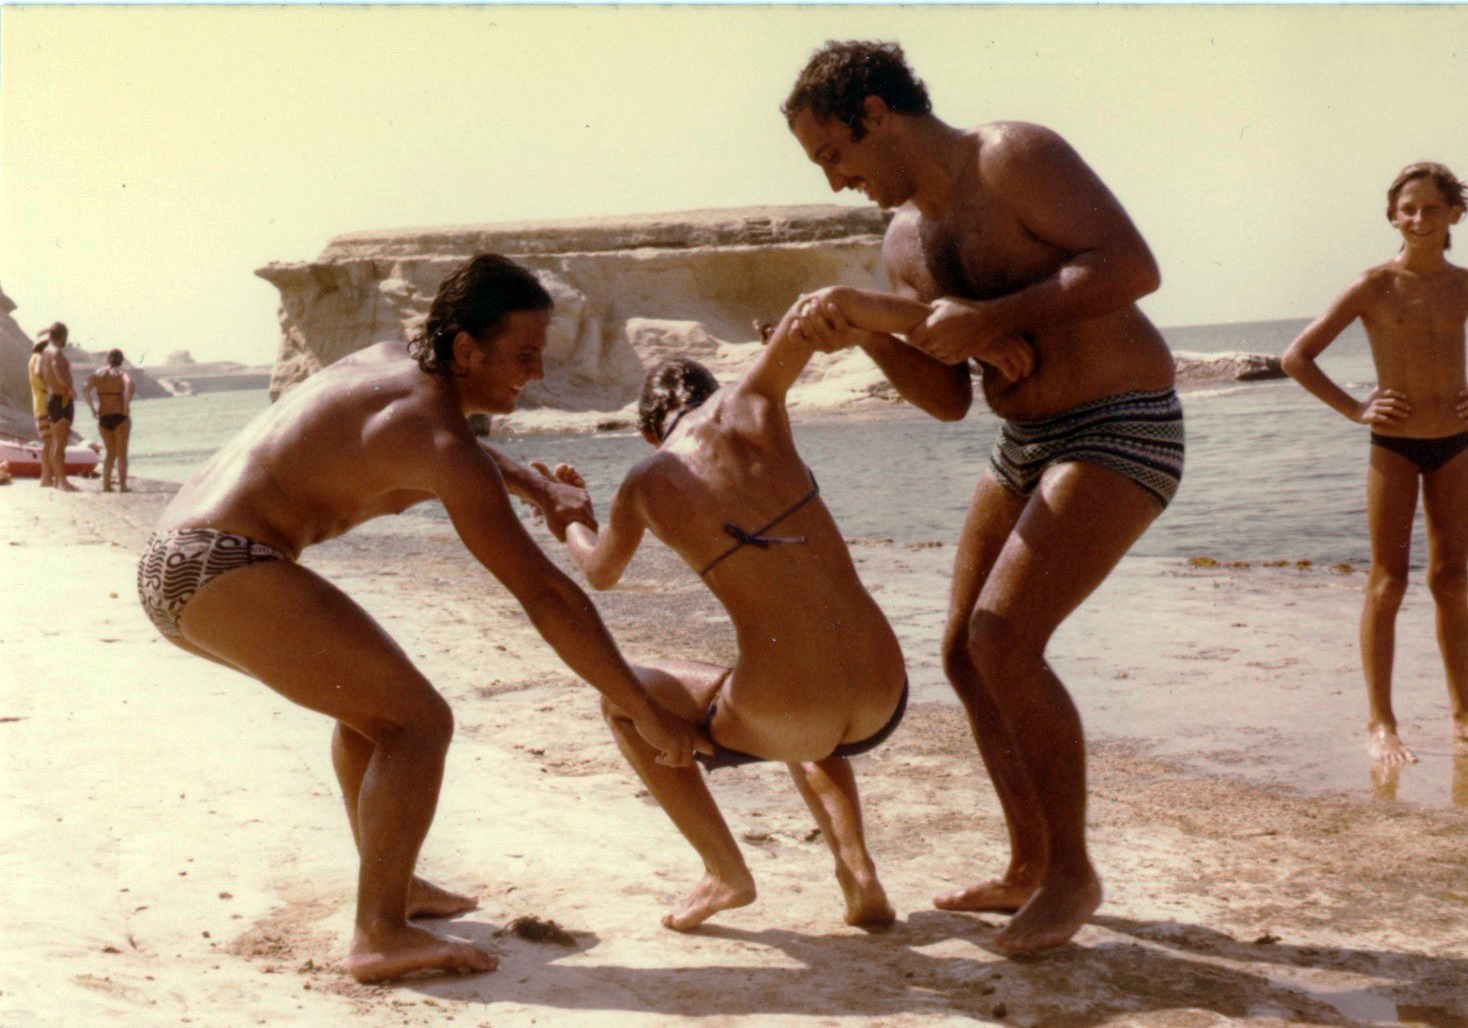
x: 628, y: 292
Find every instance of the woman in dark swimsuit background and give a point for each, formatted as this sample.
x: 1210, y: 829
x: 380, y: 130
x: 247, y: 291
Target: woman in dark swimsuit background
x: 109, y: 393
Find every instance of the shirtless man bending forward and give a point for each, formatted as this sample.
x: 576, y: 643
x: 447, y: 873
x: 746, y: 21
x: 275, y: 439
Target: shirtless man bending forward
x: 374, y: 434
x: 1033, y: 270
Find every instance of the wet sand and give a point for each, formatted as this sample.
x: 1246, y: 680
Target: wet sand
x: 175, y: 852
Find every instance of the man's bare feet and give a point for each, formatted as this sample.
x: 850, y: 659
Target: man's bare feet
x: 867, y: 905
x: 405, y: 950
x: 124, y: 489
x: 107, y: 488
x: 428, y: 900
x: 712, y: 895
x: 1386, y: 748
x: 1054, y: 914
x: 66, y: 487
x: 1001, y: 896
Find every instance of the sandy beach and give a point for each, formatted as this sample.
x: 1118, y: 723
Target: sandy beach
x: 175, y: 852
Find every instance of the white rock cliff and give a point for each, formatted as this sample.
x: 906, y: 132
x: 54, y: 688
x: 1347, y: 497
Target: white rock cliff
x: 627, y: 290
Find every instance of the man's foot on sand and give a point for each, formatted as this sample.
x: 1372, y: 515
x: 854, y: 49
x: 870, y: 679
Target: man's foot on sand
x: 407, y: 950
x: 1386, y: 748
x: 711, y: 896
x: 1001, y: 896
x: 66, y: 487
x: 1054, y: 914
x: 428, y: 900
x: 1460, y: 733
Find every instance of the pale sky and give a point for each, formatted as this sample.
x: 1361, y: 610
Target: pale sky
x: 152, y: 158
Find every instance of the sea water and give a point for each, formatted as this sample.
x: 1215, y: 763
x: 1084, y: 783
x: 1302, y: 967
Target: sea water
x: 1272, y: 475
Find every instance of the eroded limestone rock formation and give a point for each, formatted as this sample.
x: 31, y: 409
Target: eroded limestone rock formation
x: 627, y: 289
x: 15, y: 389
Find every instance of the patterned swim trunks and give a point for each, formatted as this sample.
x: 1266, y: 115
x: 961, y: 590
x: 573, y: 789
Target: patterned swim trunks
x: 1139, y: 435
x: 176, y: 564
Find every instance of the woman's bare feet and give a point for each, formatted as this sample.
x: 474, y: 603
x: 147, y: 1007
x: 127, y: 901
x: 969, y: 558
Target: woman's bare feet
x: 1054, y: 914
x: 428, y: 900
x: 867, y: 905
x: 712, y: 895
x: 1460, y: 732
x: 1386, y: 748
x: 404, y: 950
x: 1000, y: 896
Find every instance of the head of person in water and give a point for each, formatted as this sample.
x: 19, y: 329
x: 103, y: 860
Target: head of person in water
x: 670, y: 390
x: 477, y: 298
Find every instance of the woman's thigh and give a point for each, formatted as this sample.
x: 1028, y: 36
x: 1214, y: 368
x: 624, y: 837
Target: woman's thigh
x: 684, y: 687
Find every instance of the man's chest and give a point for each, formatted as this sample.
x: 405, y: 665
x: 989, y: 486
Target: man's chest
x: 978, y: 253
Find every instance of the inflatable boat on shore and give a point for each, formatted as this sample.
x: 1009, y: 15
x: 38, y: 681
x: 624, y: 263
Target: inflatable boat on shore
x: 24, y: 458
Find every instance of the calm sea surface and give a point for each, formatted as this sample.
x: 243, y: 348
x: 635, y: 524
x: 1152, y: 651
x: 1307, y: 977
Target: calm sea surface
x: 1272, y: 474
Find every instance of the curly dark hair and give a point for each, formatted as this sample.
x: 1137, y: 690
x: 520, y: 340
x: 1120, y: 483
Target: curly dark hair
x: 475, y: 298
x: 840, y: 76
x: 675, y: 386
x: 1439, y: 174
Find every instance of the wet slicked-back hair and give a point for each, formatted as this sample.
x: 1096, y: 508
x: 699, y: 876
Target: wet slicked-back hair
x: 1447, y: 183
x: 476, y: 299
x: 114, y: 358
x: 674, y: 386
x: 842, y: 75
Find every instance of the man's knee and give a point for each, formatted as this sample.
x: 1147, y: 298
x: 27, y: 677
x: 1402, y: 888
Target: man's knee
x: 999, y: 646
x: 431, y: 722
x: 957, y: 664
x: 1449, y: 584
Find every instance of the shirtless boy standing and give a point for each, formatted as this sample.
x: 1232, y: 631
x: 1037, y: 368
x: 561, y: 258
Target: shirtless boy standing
x: 1033, y: 270
x: 1413, y: 308
x: 60, y: 405
x: 376, y: 433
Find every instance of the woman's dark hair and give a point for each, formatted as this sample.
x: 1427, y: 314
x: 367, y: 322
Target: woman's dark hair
x: 475, y: 298
x: 841, y: 76
x: 1439, y: 174
x: 673, y: 387
x: 114, y: 358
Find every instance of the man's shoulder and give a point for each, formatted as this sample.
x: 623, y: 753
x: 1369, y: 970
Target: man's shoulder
x: 1016, y: 146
